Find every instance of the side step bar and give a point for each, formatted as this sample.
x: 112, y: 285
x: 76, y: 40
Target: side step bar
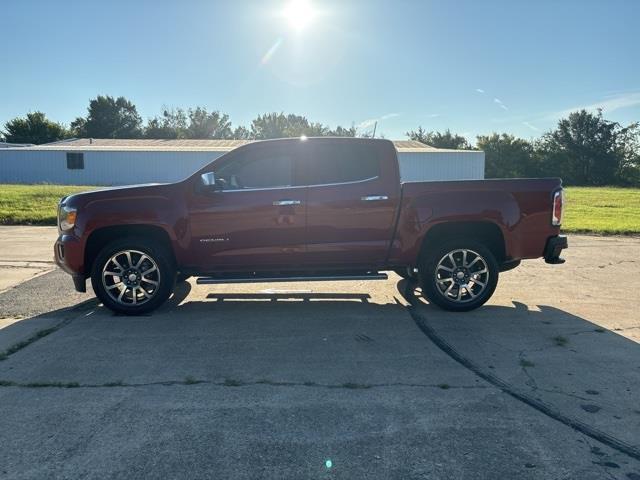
x: 312, y: 278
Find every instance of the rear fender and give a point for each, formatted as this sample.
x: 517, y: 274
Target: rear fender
x: 419, y: 215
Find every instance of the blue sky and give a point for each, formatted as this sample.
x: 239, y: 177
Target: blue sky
x: 472, y: 66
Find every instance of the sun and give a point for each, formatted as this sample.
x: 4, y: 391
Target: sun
x: 299, y: 14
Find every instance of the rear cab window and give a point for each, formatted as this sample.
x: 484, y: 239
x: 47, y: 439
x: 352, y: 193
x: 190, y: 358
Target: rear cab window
x: 329, y: 163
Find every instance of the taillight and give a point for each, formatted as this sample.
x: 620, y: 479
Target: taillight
x: 558, y: 201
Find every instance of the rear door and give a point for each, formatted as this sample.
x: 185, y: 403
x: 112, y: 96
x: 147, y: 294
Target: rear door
x: 352, y: 195
x: 258, y: 220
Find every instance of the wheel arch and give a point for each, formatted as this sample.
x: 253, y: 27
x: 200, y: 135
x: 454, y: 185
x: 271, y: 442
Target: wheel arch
x: 486, y: 232
x: 102, y: 236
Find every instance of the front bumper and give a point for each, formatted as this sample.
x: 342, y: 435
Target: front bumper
x: 553, y: 249
x: 68, y: 254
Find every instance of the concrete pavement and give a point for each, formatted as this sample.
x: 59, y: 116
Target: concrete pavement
x: 25, y: 252
x: 330, y: 380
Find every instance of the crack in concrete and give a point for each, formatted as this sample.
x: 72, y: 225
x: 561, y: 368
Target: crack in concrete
x: 531, y: 382
x: 600, y: 466
x: 39, y: 334
x: 230, y: 383
x: 16, y: 347
x: 566, y: 394
x: 603, y: 437
x: 625, y: 328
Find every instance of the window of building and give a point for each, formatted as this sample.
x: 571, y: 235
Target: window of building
x: 75, y: 161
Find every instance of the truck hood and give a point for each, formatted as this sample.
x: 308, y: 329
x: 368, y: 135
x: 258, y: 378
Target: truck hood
x: 79, y: 200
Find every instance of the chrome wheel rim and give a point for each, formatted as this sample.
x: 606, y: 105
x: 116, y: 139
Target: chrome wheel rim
x: 462, y: 275
x: 131, y: 277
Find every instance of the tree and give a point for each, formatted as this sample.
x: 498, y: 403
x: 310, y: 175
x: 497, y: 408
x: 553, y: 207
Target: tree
x: 343, y: 132
x: 241, y: 133
x: 280, y: 125
x: 109, y: 117
x: 204, y: 124
x: 629, y: 170
x: 34, y: 128
x: 78, y: 127
x: 586, y: 149
x: 507, y: 156
x: 172, y: 124
x: 440, y: 140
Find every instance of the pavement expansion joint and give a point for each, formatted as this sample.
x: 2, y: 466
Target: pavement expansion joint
x: 544, y: 408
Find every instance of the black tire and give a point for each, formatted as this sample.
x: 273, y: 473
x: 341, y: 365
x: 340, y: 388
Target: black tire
x: 465, y: 294
x: 182, y: 277
x: 408, y: 273
x: 164, y: 275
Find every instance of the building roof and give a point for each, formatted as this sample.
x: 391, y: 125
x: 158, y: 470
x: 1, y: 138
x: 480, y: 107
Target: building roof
x: 15, y: 145
x: 174, y: 145
x: 119, y: 144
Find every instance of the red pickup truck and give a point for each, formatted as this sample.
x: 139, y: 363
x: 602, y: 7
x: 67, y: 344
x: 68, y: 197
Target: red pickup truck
x: 306, y: 209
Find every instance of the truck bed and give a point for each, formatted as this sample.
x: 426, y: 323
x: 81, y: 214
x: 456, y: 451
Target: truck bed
x: 520, y: 208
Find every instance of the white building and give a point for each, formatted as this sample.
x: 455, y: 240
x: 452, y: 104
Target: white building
x: 124, y: 162
x: 15, y: 145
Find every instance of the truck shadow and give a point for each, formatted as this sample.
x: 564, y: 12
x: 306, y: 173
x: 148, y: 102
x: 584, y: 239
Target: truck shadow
x: 555, y: 359
x: 274, y: 297
x: 338, y: 338
x: 345, y: 340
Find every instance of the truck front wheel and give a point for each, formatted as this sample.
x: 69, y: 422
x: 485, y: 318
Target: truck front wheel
x: 133, y: 276
x: 459, y: 275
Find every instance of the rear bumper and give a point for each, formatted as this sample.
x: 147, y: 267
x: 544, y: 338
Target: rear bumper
x: 68, y: 254
x: 553, y: 249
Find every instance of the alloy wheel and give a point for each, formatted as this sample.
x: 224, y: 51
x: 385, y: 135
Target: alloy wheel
x: 461, y: 275
x: 131, y: 277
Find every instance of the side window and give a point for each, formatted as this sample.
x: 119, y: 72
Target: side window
x: 262, y: 167
x: 340, y: 162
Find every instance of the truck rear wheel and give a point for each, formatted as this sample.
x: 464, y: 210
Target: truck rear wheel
x: 460, y: 275
x: 133, y: 276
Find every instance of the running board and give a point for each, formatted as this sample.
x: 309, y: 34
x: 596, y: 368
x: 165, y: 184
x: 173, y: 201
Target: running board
x: 313, y: 278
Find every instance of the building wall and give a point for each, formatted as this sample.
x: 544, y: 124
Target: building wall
x: 131, y: 167
x: 100, y: 167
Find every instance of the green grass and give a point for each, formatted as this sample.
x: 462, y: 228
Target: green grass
x: 32, y: 204
x: 601, y: 210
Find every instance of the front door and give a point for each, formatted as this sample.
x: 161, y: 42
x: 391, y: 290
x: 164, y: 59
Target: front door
x: 257, y: 220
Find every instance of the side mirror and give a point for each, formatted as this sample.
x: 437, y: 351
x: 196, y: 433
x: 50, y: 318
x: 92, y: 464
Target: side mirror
x: 208, y: 179
x: 208, y: 182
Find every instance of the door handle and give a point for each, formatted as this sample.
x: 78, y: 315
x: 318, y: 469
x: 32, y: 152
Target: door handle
x: 279, y: 203
x: 374, y: 198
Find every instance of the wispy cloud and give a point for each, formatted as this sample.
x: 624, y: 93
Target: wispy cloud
x: 532, y: 127
x: 500, y: 103
x: 496, y: 100
x: 608, y: 104
x: 370, y: 122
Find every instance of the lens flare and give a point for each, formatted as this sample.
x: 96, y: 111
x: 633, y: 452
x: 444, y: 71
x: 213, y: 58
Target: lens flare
x: 274, y: 48
x: 299, y: 14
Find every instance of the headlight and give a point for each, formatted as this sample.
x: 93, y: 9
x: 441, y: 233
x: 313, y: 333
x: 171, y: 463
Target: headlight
x: 66, y: 217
